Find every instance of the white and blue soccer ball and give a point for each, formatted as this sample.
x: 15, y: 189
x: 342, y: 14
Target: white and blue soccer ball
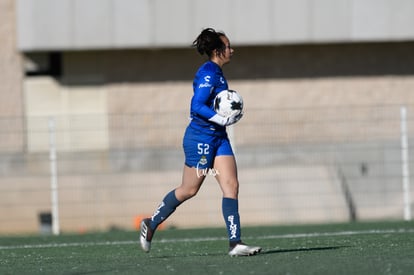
x: 228, y: 103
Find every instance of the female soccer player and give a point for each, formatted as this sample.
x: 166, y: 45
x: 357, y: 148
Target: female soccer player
x: 206, y: 146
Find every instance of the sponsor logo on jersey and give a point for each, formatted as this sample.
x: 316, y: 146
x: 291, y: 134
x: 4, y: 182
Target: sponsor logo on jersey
x: 204, y: 85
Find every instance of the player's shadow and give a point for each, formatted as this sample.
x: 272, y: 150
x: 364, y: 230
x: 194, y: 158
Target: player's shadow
x: 301, y: 249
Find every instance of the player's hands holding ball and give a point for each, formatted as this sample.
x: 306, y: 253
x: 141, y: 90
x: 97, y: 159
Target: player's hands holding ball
x: 228, y: 105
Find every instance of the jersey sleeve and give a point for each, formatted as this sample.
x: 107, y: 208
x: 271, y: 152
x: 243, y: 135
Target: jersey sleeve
x: 203, y: 91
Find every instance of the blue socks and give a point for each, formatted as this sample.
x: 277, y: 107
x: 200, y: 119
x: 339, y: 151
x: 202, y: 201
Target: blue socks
x: 232, y: 219
x: 230, y: 209
x: 164, y: 210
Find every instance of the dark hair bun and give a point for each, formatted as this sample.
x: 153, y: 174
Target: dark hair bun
x: 208, y: 41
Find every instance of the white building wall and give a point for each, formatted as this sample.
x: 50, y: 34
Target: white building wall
x: 96, y: 24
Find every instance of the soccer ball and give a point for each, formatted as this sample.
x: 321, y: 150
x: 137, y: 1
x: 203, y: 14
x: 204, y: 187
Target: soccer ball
x: 228, y: 103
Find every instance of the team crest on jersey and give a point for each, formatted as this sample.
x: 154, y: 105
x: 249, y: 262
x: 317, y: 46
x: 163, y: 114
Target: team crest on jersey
x: 202, y: 161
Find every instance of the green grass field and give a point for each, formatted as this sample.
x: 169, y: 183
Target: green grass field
x: 354, y: 248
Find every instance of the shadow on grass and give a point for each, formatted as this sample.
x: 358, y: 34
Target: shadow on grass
x: 264, y: 252
x: 302, y: 249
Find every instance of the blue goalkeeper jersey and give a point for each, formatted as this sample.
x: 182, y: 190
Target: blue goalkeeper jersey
x: 208, y: 82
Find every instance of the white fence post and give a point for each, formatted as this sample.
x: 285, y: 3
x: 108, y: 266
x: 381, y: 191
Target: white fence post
x: 405, y: 165
x: 53, y: 177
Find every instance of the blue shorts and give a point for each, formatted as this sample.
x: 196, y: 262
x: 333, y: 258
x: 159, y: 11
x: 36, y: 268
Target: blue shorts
x: 200, y: 149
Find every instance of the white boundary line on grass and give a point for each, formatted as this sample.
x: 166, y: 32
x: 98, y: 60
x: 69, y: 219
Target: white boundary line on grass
x: 283, y: 236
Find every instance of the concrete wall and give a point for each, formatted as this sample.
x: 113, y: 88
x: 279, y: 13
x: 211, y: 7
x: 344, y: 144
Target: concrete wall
x: 11, y: 79
x: 104, y: 83
x: 110, y: 24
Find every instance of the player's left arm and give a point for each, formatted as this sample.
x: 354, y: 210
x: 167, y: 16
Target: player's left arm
x: 203, y: 87
x: 202, y: 93
x: 199, y: 103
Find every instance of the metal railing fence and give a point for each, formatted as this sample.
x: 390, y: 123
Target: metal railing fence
x: 296, y: 165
